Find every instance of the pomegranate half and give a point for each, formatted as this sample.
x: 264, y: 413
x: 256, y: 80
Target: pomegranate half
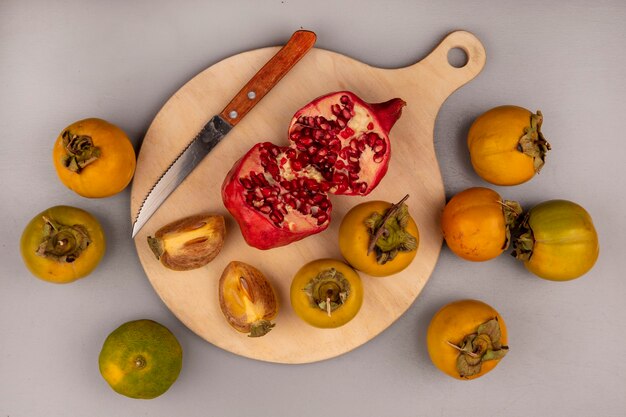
x: 339, y: 144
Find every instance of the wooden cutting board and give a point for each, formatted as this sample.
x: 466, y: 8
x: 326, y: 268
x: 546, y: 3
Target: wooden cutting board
x: 192, y: 295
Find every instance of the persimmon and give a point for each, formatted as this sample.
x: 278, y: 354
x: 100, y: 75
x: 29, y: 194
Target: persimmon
x: 477, y: 223
x: 558, y: 241
x: 379, y: 238
x: 466, y: 339
x: 326, y: 293
x: 62, y: 244
x: 94, y: 158
x: 506, y: 145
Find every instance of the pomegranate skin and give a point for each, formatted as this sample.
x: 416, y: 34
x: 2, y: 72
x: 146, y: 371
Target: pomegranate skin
x: 257, y: 228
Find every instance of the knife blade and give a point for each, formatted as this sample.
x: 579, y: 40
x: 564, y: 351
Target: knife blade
x: 219, y: 125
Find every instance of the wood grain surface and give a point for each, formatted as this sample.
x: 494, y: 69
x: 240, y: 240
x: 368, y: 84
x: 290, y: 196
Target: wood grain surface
x: 192, y: 296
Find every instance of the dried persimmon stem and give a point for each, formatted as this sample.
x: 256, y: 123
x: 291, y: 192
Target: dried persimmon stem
x: 472, y: 354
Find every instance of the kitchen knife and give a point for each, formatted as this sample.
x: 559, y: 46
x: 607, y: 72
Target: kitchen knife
x: 219, y: 125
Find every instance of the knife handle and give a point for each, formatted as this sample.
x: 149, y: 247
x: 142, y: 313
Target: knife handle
x: 268, y: 76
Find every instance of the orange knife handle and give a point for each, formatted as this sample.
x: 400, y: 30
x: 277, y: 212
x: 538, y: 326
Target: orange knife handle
x: 268, y: 76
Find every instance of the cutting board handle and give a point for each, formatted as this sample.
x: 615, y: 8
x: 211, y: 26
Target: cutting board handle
x: 454, y: 77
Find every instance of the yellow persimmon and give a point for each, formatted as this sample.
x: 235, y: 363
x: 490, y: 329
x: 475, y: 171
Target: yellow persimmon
x: 94, y: 158
x: 62, y: 244
x: 326, y: 293
x: 466, y: 339
x: 375, y: 248
x: 476, y: 223
x: 506, y: 145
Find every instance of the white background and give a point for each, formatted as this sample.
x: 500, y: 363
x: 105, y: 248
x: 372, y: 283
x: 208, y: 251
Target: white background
x: 61, y: 61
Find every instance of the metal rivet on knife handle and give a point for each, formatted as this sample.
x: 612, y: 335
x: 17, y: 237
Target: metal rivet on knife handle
x: 233, y: 114
x: 268, y: 76
x: 251, y: 95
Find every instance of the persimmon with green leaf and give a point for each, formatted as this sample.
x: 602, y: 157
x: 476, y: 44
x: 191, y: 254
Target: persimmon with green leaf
x: 506, y: 145
x: 326, y: 293
x: 379, y: 238
x: 62, y: 244
x: 467, y: 339
x: 94, y: 158
x: 557, y: 241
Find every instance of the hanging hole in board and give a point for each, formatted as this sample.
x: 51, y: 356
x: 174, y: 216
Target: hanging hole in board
x: 457, y: 57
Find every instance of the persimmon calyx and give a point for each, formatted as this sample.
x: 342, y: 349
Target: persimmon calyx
x: 61, y: 242
x: 79, y: 151
x: 533, y: 143
x: 388, y: 234
x: 524, y: 242
x: 260, y: 328
x: 512, y: 210
x: 483, y: 345
x: 328, y: 291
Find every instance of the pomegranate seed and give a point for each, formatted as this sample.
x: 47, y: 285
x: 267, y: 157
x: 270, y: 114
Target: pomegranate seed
x: 344, y: 99
x: 370, y: 126
x: 335, y: 109
x: 322, y: 218
x: 378, y: 157
x: 346, y: 114
x: 281, y: 208
x: 276, y: 217
x: 334, y: 145
x: 296, y: 165
x: 341, y: 123
x: 274, y: 172
x: 265, y: 209
x: 246, y: 183
x: 303, y: 159
x: 312, y: 150
x: 354, y: 169
x: 318, y: 198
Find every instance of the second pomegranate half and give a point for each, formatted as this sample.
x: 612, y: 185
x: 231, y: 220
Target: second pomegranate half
x: 339, y: 144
